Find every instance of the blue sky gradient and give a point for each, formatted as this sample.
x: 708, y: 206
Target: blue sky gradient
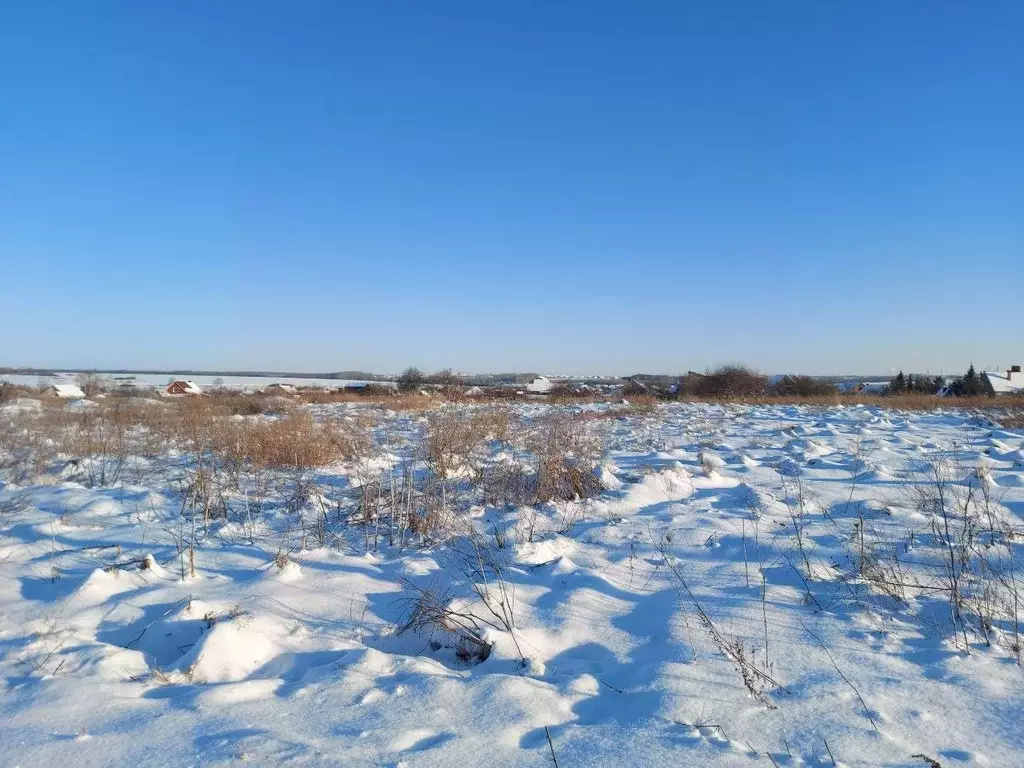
x: 598, y: 187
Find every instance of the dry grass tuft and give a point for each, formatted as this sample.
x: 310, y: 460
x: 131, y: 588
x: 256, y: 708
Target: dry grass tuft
x: 1013, y: 420
x: 565, y: 456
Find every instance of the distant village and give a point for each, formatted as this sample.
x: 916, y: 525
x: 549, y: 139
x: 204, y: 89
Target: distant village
x: 725, y: 381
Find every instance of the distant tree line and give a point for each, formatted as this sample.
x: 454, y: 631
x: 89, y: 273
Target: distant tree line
x: 734, y: 381
x: 739, y: 381
x: 907, y: 384
x: 968, y: 385
x: 413, y: 379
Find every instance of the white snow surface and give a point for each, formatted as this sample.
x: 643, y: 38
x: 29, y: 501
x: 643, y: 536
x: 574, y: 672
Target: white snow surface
x: 302, y: 664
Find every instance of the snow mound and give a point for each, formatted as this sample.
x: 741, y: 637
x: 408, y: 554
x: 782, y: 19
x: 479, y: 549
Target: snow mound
x: 101, y: 585
x: 107, y: 662
x: 563, y: 566
x: 150, y: 564
x: 712, y: 460
x: 547, y: 551
x: 878, y: 474
x: 668, y: 485
x: 1011, y: 480
x: 290, y: 572
x: 232, y: 650
x: 810, y: 447
x: 607, y: 479
x: 101, y: 507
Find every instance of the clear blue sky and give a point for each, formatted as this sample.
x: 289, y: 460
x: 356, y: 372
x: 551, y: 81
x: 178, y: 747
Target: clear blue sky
x: 559, y: 186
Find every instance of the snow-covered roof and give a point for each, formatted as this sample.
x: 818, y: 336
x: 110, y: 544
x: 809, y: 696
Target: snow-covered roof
x: 540, y: 384
x: 864, y: 387
x: 188, y: 387
x: 1007, y: 383
x: 474, y: 392
x: 279, y: 387
x: 68, y: 390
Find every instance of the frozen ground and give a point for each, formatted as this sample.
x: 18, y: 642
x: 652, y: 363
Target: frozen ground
x: 727, y: 545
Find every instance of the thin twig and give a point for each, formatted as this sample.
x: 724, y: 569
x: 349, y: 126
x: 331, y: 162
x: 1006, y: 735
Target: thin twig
x: 829, y: 751
x: 867, y: 712
x: 609, y: 685
x: 174, y: 605
x: 551, y: 746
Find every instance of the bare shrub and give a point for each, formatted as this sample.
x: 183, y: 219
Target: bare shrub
x: 89, y: 382
x: 371, y: 392
x: 707, y: 464
x: 756, y: 677
x: 802, y: 386
x: 293, y: 442
x: 26, y: 447
x: 727, y: 381
x: 565, y: 455
x: 252, y: 405
x: 451, y: 438
x: 799, y: 504
x: 494, y: 423
x: 99, y: 440
x: 642, y: 403
x: 9, y: 391
x: 446, y: 622
x: 411, y: 379
x: 967, y: 553
x: 282, y: 559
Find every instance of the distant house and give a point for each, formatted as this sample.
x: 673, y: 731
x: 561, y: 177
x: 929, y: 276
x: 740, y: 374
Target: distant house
x: 635, y: 387
x: 279, y: 389
x: 540, y: 385
x: 67, y: 391
x: 182, y: 387
x: 1009, y: 383
x: 869, y: 388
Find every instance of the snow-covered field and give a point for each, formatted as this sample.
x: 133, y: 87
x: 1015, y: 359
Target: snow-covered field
x: 754, y: 585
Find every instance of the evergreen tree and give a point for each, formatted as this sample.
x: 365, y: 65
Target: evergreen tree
x: 968, y: 385
x: 972, y: 382
x: 898, y: 384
